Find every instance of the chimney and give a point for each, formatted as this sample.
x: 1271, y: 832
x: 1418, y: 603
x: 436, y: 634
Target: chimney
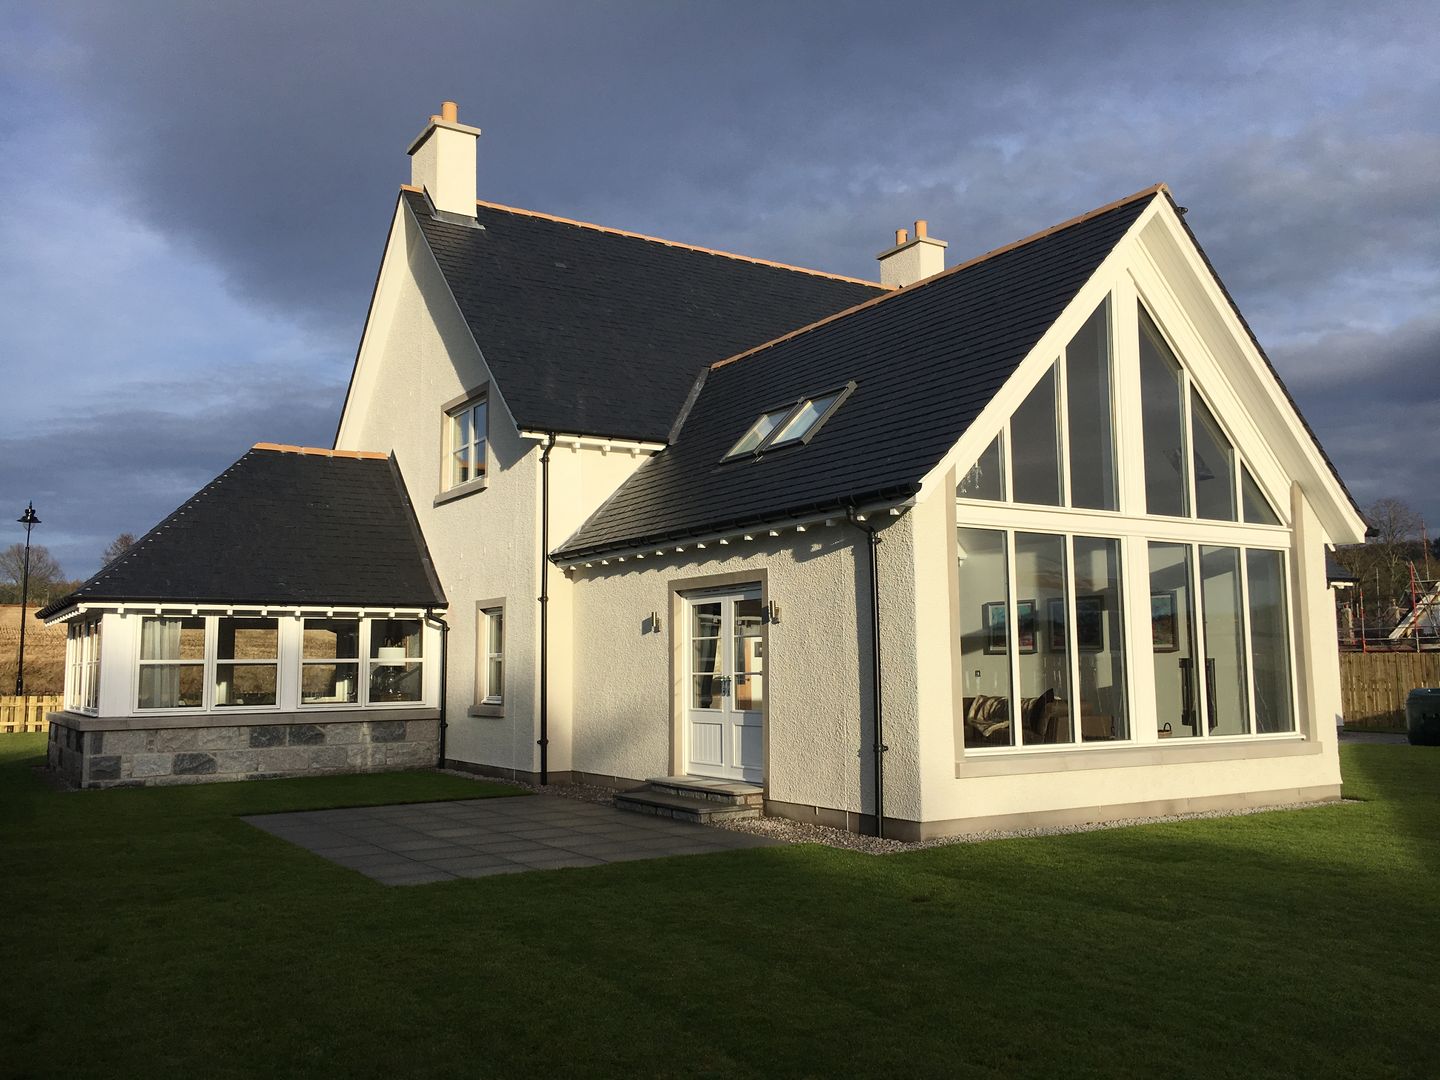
x: 910, y: 260
x: 442, y: 162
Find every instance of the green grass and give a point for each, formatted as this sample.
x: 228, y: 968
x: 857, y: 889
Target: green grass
x: 151, y: 931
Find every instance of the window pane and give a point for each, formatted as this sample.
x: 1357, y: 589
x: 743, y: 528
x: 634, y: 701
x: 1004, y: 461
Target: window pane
x: 1269, y: 642
x: 477, y: 461
x: 461, y: 433
x: 171, y: 686
x: 172, y: 639
x: 1100, y: 639
x: 1163, y: 418
x: 758, y: 431
x: 1087, y: 392
x: 461, y: 466
x: 804, y: 419
x: 496, y: 622
x: 396, y: 682
x: 1214, y: 464
x: 705, y: 620
x: 495, y: 679
x: 244, y: 684
x: 749, y: 649
x: 329, y: 683
x: 1228, y: 711
x: 1044, y: 689
x: 395, y: 639
x: 984, y: 653
x: 1172, y: 641
x: 247, y: 639
x: 986, y: 478
x: 749, y: 692
x: 331, y: 639
x: 703, y: 692
x: 1257, y: 507
x: 1035, y: 446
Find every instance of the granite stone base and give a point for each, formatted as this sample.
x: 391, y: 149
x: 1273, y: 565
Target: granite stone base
x: 91, y: 752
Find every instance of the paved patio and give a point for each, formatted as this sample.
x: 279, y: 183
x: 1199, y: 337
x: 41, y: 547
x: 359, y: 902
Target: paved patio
x: 416, y: 843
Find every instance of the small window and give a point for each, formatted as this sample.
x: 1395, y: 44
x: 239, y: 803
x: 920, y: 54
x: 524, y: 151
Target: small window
x: 465, y: 448
x: 247, y: 657
x: 760, y: 431
x: 396, y: 660
x: 172, y: 664
x: 805, y: 419
x: 1257, y: 508
x: 330, y: 662
x: 796, y: 422
x: 490, y: 671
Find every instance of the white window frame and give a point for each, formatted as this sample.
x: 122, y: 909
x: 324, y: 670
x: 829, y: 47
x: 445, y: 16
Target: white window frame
x: 82, y: 667
x: 486, y: 695
x: 207, y: 667
x: 1135, y: 528
x: 213, y: 662
x: 479, y: 444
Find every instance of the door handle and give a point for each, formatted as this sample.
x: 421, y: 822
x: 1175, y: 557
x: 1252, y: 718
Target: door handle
x: 724, y: 685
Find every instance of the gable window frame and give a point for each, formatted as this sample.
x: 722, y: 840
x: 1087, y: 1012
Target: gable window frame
x: 466, y: 405
x: 775, y: 437
x: 1265, y: 543
x: 489, y: 697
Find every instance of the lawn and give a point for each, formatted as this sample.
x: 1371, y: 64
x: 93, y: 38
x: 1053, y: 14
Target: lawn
x: 151, y: 931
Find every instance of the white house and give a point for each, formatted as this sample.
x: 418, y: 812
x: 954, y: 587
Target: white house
x: 946, y: 551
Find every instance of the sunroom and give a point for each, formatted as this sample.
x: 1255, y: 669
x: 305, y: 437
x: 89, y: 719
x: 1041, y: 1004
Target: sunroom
x: 218, y: 650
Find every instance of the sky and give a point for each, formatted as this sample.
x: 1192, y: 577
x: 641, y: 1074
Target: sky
x: 197, y: 195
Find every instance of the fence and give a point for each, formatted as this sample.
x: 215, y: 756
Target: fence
x: 18, y: 714
x: 1373, y: 685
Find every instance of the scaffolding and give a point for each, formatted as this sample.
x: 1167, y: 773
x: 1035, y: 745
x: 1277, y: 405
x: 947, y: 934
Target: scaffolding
x: 1396, y: 626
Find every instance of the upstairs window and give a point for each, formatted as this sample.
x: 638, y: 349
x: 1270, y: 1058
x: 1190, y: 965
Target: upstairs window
x: 796, y: 422
x: 465, y: 432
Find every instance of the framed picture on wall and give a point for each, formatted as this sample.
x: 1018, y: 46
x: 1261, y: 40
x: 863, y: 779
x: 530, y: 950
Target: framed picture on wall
x: 1055, y: 624
x: 993, y: 617
x: 1090, y: 623
x: 1164, y: 629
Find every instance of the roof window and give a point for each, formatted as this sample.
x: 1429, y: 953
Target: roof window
x: 797, y: 422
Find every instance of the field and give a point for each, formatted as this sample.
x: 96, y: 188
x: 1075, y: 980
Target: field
x: 44, y: 652
x: 152, y: 932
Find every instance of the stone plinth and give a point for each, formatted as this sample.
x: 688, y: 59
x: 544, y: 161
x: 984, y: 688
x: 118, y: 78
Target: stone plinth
x: 105, y: 752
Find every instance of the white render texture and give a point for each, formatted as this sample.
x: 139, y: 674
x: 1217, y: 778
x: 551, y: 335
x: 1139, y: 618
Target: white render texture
x: 912, y: 261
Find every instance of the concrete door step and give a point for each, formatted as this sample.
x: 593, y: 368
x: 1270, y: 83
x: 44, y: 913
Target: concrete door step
x: 725, y: 792
x: 683, y: 808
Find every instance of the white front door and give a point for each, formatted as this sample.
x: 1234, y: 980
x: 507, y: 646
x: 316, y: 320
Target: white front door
x: 725, y: 691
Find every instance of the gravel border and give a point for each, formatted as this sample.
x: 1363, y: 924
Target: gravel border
x: 799, y: 832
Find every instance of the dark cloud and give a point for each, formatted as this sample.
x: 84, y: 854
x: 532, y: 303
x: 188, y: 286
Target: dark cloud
x: 262, y: 143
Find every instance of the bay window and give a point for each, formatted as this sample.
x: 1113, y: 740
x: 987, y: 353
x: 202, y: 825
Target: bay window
x: 396, y: 671
x: 247, y: 662
x: 82, y: 676
x: 330, y: 662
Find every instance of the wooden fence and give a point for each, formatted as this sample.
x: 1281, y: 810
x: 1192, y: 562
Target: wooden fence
x: 1373, y: 685
x: 18, y: 714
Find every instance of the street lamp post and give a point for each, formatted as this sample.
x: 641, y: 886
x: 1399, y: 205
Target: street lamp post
x: 29, y: 520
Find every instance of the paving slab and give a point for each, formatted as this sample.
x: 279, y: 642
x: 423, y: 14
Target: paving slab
x: 420, y: 843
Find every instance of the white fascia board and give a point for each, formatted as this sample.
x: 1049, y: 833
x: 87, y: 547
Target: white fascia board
x: 735, y: 537
x: 574, y: 441
x: 1276, y: 416
x: 162, y: 607
x: 1046, y: 351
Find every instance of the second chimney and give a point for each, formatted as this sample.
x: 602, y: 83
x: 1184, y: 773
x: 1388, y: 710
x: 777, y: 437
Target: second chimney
x: 442, y: 161
x: 912, y: 259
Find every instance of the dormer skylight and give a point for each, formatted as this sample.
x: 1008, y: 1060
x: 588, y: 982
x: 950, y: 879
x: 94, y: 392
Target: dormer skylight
x: 796, y: 422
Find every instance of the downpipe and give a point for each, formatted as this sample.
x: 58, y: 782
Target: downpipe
x: 544, y: 741
x: 879, y: 749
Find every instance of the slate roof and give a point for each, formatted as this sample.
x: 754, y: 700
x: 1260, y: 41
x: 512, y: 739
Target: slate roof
x: 281, y: 526
x: 593, y: 331
x: 925, y: 361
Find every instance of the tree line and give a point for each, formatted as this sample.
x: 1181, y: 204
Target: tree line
x: 1382, y: 564
x: 48, y: 581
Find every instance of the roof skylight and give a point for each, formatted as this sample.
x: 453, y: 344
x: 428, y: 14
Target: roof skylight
x: 794, y: 423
